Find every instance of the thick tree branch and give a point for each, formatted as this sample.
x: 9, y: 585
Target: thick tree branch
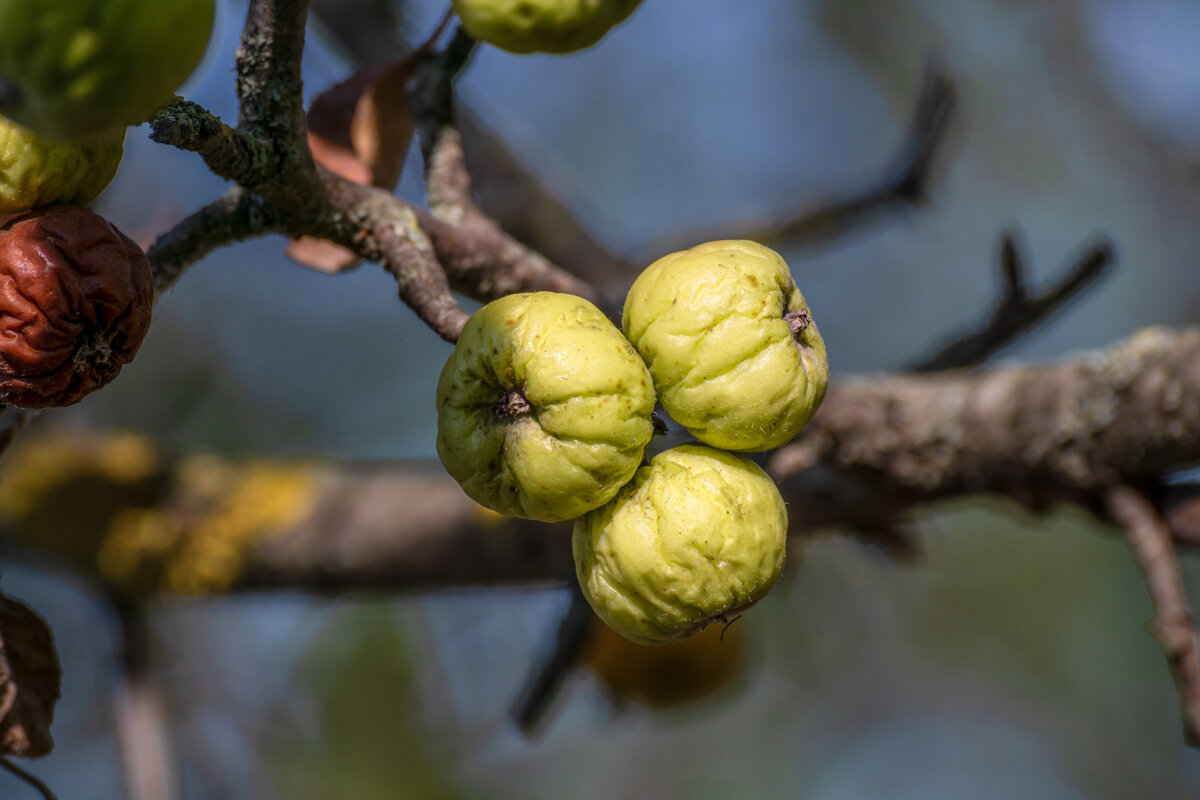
x: 1017, y: 312
x: 1150, y: 542
x: 880, y: 448
x: 233, y: 217
x: 269, y: 88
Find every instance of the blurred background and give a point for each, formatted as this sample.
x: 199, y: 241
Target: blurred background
x: 1010, y: 661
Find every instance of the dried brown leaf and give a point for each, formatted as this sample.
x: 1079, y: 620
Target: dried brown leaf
x: 29, y: 681
x: 361, y: 130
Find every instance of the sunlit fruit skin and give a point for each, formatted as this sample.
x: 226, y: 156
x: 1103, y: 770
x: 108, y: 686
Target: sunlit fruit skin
x: 541, y: 26
x: 36, y: 171
x: 89, y: 68
x: 543, y: 407
x: 696, y: 536
x: 715, y: 325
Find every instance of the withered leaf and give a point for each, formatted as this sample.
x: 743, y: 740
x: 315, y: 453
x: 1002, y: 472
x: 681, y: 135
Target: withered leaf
x: 29, y: 681
x: 361, y: 130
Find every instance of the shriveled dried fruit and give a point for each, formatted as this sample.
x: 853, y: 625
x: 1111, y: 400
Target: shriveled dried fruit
x: 543, y: 407
x: 735, y: 354
x: 36, y: 171
x: 541, y: 26
x: 88, y: 68
x: 75, y: 302
x: 698, y: 535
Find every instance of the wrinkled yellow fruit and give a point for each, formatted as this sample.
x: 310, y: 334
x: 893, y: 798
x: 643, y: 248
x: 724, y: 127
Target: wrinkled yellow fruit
x: 90, y: 68
x: 543, y: 407
x: 541, y: 26
x: 735, y: 354
x: 35, y: 171
x: 698, y: 535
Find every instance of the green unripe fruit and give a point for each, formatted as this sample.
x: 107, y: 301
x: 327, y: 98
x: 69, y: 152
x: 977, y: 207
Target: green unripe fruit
x: 543, y: 407
x: 35, y: 171
x: 89, y: 68
x: 541, y: 26
x: 696, y: 536
x: 735, y: 355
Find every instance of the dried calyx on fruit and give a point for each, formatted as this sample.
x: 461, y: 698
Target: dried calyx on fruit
x: 734, y: 351
x: 89, y: 68
x: 36, y: 171
x: 695, y: 537
x: 541, y: 26
x: 75, y: 302
x: 543, y: 407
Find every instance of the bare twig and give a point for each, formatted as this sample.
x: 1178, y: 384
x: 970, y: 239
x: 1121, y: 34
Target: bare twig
x: 28, y: 777
x: 1150, y: 541
x: 1019, y: 312
x: 905, y: 183
x: 233, y: 217
x: 148, y: 766
x: 550, y: 667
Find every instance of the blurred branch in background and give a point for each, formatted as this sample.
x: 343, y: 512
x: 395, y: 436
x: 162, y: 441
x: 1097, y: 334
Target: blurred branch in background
x: 879, y: 449
x: 1018, y: 311
x: 517, y: 199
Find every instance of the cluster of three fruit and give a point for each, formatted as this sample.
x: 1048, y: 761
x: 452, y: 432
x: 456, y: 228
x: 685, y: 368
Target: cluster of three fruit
x: 544, y: 412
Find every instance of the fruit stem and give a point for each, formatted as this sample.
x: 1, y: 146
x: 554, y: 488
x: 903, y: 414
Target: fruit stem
x: 513, y: 405
x: 798, y: 321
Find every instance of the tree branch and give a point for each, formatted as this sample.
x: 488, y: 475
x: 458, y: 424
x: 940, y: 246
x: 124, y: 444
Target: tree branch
x: 230, y: 153
x: 233, y: 217
x: 1150, y: 542
x: 29, y: 778
x: 906, y: 182
x: 269, y: 88
x: 1017, y: 312
x: 880, y: 448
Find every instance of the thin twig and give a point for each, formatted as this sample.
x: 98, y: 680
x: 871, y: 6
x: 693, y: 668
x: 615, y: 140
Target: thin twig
x: 233, y: 217
x: 1019, y: 311
x: 28, y: 777
x: 906, y: 182
x: 148, y: 766
x: 551, y: 666
x: 1150, y: 541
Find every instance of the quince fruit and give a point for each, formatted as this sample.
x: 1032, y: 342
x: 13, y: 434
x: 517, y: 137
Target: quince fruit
x: 735, y: 354
x: 543, y: 407
x: 35, y: 171
x: 541, y: 26
x: 697, y: 535
x: 89, y: 68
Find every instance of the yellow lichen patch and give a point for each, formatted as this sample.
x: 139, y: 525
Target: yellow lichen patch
x: 218, y: 512
x: 60, y: 490
x: 38, y: 465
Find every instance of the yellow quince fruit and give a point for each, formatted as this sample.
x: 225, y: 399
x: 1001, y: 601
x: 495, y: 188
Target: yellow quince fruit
x: 696, y: 536
x: 543, y: 407
x: 734, y: 351
x: 541, y: 26
x: 36, y: 171
x: 89, y: 68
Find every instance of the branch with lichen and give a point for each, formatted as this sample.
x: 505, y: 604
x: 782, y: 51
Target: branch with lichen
x: 880, y: 449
